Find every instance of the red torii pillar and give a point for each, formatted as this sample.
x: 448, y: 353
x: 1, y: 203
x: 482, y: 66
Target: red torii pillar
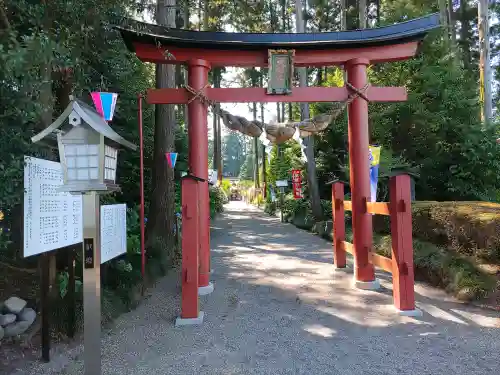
x: 198, y: 166
x: 359, y: 169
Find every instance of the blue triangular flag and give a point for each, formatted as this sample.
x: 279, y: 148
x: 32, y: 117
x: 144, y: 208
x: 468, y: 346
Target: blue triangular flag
x: 171, y: 158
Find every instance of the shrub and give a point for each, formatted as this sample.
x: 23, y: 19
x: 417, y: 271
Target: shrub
x: 225, y: 186
x: 456, y: 225
x: 258, y: 200
x: 270, y: 208
x: 456, y: 274
x: 469, y: 228
x: 217, y: 200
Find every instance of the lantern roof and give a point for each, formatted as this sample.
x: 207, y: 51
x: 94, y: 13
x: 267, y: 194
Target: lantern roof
x: 135, y: 32
x: 88, y: 115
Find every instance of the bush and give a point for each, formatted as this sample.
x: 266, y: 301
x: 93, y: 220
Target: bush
x: 469, y: 228
x: 453, y: 224
x: 217, y: 200
x: 258, y: 200
x: 225, y: 186
x: 457, y: 275
x: 270, y: 208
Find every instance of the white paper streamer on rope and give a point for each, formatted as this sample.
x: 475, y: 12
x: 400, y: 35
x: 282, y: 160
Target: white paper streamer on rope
x: 269, y: 149
x: 267, y: 145
x: 263, y: 138
x: 300, y: 141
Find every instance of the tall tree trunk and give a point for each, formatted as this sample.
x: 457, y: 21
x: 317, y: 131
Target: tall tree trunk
x: 452, y: 24
x: 47, y: 102
x: 484, y: 61
x: 216, y: 155
x: 263, y: 148
x: 312, y: 180
x: 443, y: 12
x: 254, y: 81
x: 465, y: 34
x: 220, y: 165
x: 206, y: 15
x: 343, y: 15
x: 343, y: 27
x: 362, y: 14
x: 162, y: 208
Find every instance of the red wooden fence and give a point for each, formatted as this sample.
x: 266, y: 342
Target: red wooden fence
x: 401, y: 262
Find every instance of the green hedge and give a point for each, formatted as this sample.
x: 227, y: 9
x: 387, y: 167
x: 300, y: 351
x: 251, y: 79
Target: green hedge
x: 438, y: 227
x: 468, y: 228
x: 457, y: 275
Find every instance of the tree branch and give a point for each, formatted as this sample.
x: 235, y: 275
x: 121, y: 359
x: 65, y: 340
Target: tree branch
x: 3, y: 16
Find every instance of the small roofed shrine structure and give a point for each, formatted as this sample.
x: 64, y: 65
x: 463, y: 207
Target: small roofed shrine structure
x: 281, y: 53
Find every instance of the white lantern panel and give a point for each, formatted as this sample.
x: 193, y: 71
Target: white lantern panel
x: 70, y: 161
x: 70, y: 149
x: 110, y: 151
x: 82, y: 162
x: 94, y: 173
x: 81, y: 150
x: 93, y: 161
x: 82, y: 174
x: 109, y: 174
x: 71, y: 174
x: 110, y: 159
x: 93, y: 149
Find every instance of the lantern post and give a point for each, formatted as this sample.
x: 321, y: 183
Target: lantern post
x: 88, y: 152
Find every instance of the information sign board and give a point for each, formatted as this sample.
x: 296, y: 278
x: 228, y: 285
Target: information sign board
x: 52, y: 220
x: 113, y: 231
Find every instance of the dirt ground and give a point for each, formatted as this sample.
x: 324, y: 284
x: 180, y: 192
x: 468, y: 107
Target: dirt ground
x: 279, y: 307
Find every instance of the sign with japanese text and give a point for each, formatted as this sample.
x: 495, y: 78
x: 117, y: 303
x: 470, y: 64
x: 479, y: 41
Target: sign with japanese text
x: 297, y: 184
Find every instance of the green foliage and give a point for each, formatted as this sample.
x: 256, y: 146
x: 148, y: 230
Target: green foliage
x: 133, y: 231
x: 225, y: 186
x: 233, y: 155
x: 248, y: 167
x: 217, y: 200
x: 458, y: 275
x: 63, y: 283
x: 270, y: 208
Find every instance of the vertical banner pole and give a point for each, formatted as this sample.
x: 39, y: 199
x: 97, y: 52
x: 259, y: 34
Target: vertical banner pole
x: 71, y: 296
x: 142, y: 218
x: 44, y: 288
x: 282, y: 191
x: 92, y: 283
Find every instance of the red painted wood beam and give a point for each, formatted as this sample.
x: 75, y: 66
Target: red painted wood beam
x: 259, y: 95
x: 251, y: 58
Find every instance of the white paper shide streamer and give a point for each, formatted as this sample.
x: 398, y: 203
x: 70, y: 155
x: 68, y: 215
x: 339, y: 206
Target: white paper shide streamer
x: 300, y: 141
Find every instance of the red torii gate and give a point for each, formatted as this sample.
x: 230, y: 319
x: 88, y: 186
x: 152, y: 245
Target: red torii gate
x: 202, y: 51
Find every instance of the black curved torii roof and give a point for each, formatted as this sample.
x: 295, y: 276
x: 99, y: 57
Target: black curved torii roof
x: 134, y: 32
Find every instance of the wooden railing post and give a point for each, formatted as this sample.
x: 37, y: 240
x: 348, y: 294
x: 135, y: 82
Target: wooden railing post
x: 402, y: 246
x: 339, y: 253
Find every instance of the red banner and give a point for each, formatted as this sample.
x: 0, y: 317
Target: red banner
x: 297, y: 183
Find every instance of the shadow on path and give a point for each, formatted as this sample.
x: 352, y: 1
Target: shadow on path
x: 280, y: 308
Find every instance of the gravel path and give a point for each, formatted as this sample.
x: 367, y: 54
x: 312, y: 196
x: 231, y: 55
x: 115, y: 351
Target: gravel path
x: 279, y: 308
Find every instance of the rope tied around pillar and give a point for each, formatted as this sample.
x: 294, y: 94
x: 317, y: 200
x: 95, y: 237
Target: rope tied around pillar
x: 199, y: 94
x: 278, y: 132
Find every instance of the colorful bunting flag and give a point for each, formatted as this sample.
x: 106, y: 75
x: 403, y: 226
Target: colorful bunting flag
x: 105, y: 103
x: 374, y: 167
x: 171, y: 159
